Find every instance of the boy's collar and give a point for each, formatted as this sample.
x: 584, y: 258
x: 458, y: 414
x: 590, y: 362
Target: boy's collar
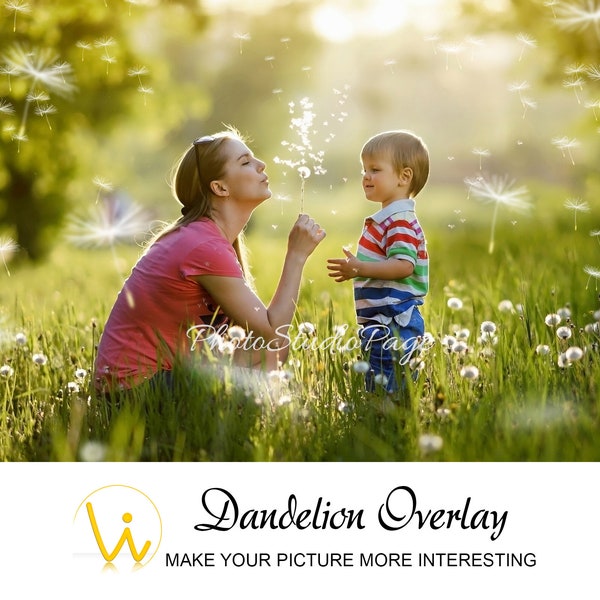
x: 392, y: 208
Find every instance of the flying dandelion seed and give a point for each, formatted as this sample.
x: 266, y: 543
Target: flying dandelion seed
x: 302, y: 150
x: 526, y: 42
x: 593, y: 273
x: 575, y: 83
x: 564, y: 143
x: 474, y: 43
x: 242, y: 37
x: 38, y: 67
x: 8, y: 248
x: 578, y: 15
x: 528, y: 103
x: 102, y: 185
x: 45, y: 110
x: 595, y: 233
x: 452, y: 50
x: 498, y: 191
x: 18, y: 7
x: 594, y: 105
x: 85, y: 46
x: 114, y: 220
x: 576, y: 205
x: 481, y: 153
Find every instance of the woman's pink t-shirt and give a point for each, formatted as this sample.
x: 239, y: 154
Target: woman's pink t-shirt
x: 160, y: 301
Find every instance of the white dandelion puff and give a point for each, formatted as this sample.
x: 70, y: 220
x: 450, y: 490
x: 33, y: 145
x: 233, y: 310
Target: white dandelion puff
x: 429, y: 443
x: 542, y: 349
x: 564, y: 332
x: 506, y: 306
x: 361, y: 366
x: 552, y: 319
x: 39, y: 358
x: 469, y: 372
x: 574, y: 353
x: 578, y: 15
x: 488, y: 327
x: 454, y: 303
x: 6, y: 371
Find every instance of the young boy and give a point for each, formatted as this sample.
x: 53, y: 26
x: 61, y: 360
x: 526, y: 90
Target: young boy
x: 391, y: 266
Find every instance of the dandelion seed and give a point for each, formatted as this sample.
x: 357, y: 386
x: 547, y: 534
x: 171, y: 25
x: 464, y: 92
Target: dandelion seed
x: 578, y: 15
x: 575, y: 83
x: 138, y: 72
x: 17, y: 6
x: 92, y: 451
x: 429, y: 443
x: 527, y: 104
x: 45, y: 110
x: 593, y: 105
x: 455, y: 303
x: 39, y: 359
x: 112, y: 221
x: 6, y: 371
x: 84, y: 46
x: 552, y: 320
x: 242, y: 37
x: 573, y: 354
x: 8, y: 248
x: 469, y: 372
x: 526, y: 42
x: 594, y: 273
x: 481, y: 153
x: 542, y: 349
x: 454, y: 50
x: 576, y: 205
x: 6, y: 108
x: 564, y: 333
x: 519, y: 87
x: 564, y: 143
x: 361, y: 366
x: 498, y: 191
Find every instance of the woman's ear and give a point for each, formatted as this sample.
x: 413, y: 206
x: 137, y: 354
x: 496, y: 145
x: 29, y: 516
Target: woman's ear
x: 218, y: 188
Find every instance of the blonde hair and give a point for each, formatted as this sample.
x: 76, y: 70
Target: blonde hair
x: 405, y: 149
x: 191, y: 175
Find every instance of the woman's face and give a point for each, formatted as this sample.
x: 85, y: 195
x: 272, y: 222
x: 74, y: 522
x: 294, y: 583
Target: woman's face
x: 245, y: 177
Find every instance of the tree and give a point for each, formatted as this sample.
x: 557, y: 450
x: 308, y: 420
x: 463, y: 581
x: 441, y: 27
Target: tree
x: 65, y: 66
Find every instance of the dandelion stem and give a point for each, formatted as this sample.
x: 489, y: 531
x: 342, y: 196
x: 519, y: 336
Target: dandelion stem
x: 491, y: 244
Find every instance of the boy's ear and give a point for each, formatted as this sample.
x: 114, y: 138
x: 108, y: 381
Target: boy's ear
x: 405, y: 176
x: 218, y: 188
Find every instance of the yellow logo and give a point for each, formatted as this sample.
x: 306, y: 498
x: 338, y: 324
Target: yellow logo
x: 119, y: 524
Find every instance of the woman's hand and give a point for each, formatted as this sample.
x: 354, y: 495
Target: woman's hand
x: 305, y: 236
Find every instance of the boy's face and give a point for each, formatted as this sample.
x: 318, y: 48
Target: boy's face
x: 381, y: 182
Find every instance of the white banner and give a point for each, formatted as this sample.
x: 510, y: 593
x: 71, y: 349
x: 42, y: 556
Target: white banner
x: 272, y: 531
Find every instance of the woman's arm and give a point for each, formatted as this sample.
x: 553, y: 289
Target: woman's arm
x: 271, y: 323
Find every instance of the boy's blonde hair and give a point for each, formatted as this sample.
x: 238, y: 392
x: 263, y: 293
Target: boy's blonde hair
x: 405, y: 149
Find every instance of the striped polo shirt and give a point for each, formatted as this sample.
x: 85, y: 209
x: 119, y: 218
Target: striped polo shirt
x: 392, y: 232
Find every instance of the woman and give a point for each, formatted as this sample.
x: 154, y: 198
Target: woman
x: 192, y: 279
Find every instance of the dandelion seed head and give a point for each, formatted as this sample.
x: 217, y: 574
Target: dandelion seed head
x: 235, y: 332
x: 39, y: 358
x: 542, y: 349
x: 500, y: 191
x: 506, y: 306
x: 429, y: 443
x: 306, y: 328
x: 469, y: 372
x: 6, y: 371
x: 564, y: 312
x: 381, y: 379
x: 92, y: 451
x: 574, y: 353
x: 455, y: 303
x: 488, y: 327
x: 552, y: 319
x: 564, y: 333
x: 361, y: 366
x: 20, y: 339
x: 81, y: 374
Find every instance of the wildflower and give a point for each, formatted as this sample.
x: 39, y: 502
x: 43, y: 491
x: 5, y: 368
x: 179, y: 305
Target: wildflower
x: 488, y: 327
x: 92, y: 451
x: 455, y: 303
x: 470, y: 372
x: 552, y: 319
x: 39, y: 359
x: 429, y: 443
x: 542, y: 349
x: 563, y: 333
x: 573, y: 354
x: 6, y: 371
x: 506, y: 306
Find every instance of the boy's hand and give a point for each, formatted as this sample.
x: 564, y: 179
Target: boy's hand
x: 342, y: 269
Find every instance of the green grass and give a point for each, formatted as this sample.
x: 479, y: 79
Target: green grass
x: 522, y: 407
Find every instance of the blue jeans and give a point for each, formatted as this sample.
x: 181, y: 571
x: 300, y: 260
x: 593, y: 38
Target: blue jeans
x: 385, y: 346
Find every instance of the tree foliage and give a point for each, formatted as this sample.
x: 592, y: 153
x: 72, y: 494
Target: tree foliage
x: 67, y: 67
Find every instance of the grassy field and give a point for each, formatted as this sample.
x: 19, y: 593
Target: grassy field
x: 522, y: 391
